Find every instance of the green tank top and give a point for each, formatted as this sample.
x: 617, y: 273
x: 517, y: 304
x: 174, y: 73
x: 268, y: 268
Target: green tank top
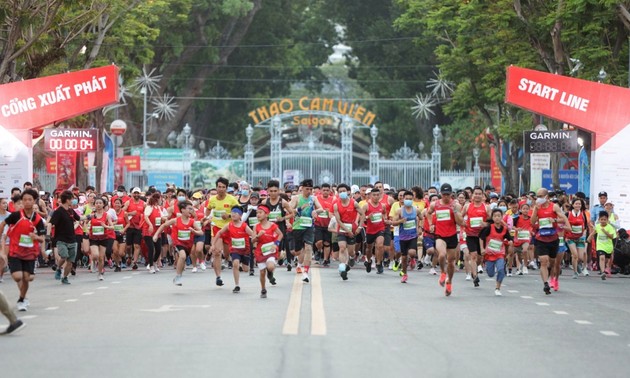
x: 304, y: 218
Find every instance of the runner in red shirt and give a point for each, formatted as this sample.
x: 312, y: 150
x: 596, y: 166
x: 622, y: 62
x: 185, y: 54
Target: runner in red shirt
x: 120, y: 228
x: 447, y: 216
x: 268, y: 237
x: 476, y: 213
x: 348, y: 215
x: 323, y: 237
x: 238, y: 233
x: 376, y: 222
x: 100, y: 224
x: 493, y: 239
x: 135, y: 210
x: 182, y: 233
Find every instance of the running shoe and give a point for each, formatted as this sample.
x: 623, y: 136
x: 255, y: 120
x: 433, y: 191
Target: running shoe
x: 468, y: 276
x: 344, y: 275
x: 390, y: 265
x: 194, y: 270
x: 73, y: 272
x: 479, y: 269
x: 520, y: 271
x: 396, y: 266
x: 585, y: 272
x: 272, y: 279
x: 547, y: 289
x: 298, y: 270
x: 556, y: 284
x: 368, y: 266
x: 379, y: 268
x: 251, y: 273
x: 525, y: 271
x: 177, y: 280
x: 448, y: 290
x: 58, y: 274
x: 148, y: 267
x: 21, y: 306
x: 288, y: 267
x: 100, y: 277
x: 575, y: 275
x: 65, y: 281
x: 117, y: 269
x: 152, y: 270
x: 509, y: 273
x: 351, y: 262
x: 203, y: 266
x: 442, y: 279
x: 263, y: 293
x: 219, y: 281
x: 603, y: 277
x: 16, y: 326
x: 135, y: 266
x: 497, y: 292
x: 433, y: 271
x: 579, y: 268
x: 607, y: 272
x: 404, y: 278
x: 305, y: 277
x: 326, y: 263
x: 237, y: 289
x: 476, y: 281
x: 412, y: 264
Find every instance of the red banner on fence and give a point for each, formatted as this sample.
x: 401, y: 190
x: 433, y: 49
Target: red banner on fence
x: 51, y: 166
x: 130, y: 163
x: 495, y: 171
x: 66, y: 169
x: 35, y: 103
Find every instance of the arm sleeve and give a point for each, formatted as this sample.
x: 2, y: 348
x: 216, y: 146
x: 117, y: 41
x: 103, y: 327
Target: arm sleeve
x: 483, y: 234
x: 41, y: 228
x: 13, y: 218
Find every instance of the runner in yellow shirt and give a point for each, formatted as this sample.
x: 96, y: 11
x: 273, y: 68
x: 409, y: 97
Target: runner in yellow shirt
x: 219, y: 208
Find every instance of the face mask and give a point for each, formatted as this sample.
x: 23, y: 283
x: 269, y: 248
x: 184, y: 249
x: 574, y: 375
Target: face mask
x: 493, y: 205
x: 75, y: 202
x: 120, y: 194
x: 343, y: 195
x: 408, y: 203
x: 540, y: 201
x: 181, y: 198
x: 502, y: 208
x: 245, y: 192
x: 195, y: 203
x: 529, y: 202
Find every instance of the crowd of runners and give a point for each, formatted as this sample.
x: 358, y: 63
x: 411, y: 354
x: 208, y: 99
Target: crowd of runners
x: 241, y: 228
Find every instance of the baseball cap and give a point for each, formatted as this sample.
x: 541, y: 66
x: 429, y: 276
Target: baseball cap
x: 602, y: 194
x: 354, y: 189
x: 609, y: 202
x: 446, y: 188
x: 368, y: 191
x: 136, y: 190
x: 494, y: 195
x: 386, y: 187
x: 197, y: 195
x: 121, y: 188
x: 255, y: 195
x: 230, y: 189
x: 263, y: 193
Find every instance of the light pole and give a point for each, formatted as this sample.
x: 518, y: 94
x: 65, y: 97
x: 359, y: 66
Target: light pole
x: 436, y: 156
x: 187, y: 132
x: 580, y: 168
x: 476, y: 173
x: 374, y: 155
x: 143, y: 91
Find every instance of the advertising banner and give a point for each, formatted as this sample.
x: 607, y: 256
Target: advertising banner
x: 66, y: 169
x: 495, y: 171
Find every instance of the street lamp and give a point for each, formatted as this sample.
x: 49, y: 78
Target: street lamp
x: 143, y: 91
x: 437, y: 135
x: 187, y: 132
x: 373, y: 134
x: 601, y: 76
x: 420, y: 146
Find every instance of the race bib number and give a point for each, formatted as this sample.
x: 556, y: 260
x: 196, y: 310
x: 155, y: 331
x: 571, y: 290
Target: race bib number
x: 561, y: 240
x: 218, y: 214
x: 252, y: 221
x: 98, y: 230
x: 268, y: 248
x: 305, y: 222
x: 238, y: 243
x: 26, y: 241
x: 275, y: 215
x: 476, y: 222
x: 323, y: 214
x: 348, y: 226
x: 118, y: 227
x: 158, y: 221
x: 495, y: 245
x: 409, y: 225
x: 523, y: 235
x: 545, y: 223
x: 443, y: 215
x: 602, y: 237
x: 376, y: 217
x: 577, y: 229
x: 183, y: 234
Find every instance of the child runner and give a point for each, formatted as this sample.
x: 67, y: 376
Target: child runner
x: 238, y: 233
x: 268, y: 237
x: 492, y: 239
x: 605, y: 234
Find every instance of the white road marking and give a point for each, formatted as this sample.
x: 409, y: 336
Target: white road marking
x: 542, y: 303
x: 115, y: 282
x: 126, y: 277
x: 292, y: 318
x: 26, y: 317
x: 318, y: 315
x: 170, y: 308
x: 609, y: 333
x: 71, y: 300
x: 135, y: 273
x: 489, y: 279
x: 513, y: 291
x: 88, y: 293
x: 51, y: 308
x: 561, y: 313
x: 101, y: 288
x: 583, y: 322
x: 526, y: 297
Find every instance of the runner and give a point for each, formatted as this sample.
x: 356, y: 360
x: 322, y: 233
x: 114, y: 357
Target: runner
x: 428, y: 236
x: 305, y: 205
x: 134, y: 208
x: 475, y: 213
x: 64, y: 219
x: 545, y: 221
x: 375, y: 230
x: 238, y: 233
x: 4, y: 204
x: 605, y: 233
x: 448, y: 216
x: 323, y: 237
x: 493, y: 239
x: 26, y: 231
x: 249, y: 216
x: 219, y: 207
x: 198, y: 254
x: 100, y: 221
x: 348, y: 215
x: 523, y: 235
x: 120, y: 228
x: 152, y: 219
x: 268, y: 236
x: 279, y: 213
x: 182, y: 232
x: 15, y: 324
x: 407, y: 219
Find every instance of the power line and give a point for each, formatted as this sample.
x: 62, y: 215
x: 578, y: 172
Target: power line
x: 283, y: 98
x: 286, y: 67
x: 298, y: 80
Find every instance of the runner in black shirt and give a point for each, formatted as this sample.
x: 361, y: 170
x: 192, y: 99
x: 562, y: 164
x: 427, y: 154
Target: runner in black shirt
x: 63, y: 219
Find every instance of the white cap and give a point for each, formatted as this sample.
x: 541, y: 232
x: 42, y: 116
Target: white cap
x: 386, y: 186
x: 368, y: 191
x: 354, y: 189
x: 136, y: 190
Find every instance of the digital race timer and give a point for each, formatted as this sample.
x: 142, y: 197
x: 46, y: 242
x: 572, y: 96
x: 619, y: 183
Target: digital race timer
x: 81, y: 140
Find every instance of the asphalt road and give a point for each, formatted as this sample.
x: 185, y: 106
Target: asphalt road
x: 135, y: 324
